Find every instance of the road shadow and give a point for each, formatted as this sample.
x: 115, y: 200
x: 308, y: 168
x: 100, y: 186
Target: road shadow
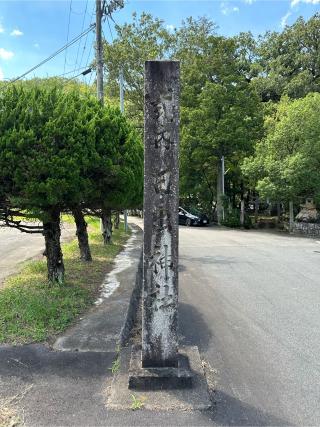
x: 228, y: 411
x: 181, y: 268
x: 28, y: 360
x: 193, y: 330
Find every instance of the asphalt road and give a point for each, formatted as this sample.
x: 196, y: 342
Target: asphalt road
x: 17, y: 247
x: 250, y: 301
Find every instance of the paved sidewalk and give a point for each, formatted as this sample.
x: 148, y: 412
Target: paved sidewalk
x: 101, y: 329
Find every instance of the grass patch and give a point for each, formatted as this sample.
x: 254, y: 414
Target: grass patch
x: 32, y: 311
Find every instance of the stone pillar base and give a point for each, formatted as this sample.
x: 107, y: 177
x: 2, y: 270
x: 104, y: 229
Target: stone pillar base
x: 159, y: 378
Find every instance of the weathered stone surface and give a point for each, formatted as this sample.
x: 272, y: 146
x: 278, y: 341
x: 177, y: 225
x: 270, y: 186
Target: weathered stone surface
x: 308, y: 212
x: 307, y: 228
x: 195, y: 398
x: 161, y: 199
x: 158, y: 378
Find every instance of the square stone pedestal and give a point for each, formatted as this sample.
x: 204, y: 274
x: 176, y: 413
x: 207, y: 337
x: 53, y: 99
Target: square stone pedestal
x: 184, y: 398
x: 159, y: 378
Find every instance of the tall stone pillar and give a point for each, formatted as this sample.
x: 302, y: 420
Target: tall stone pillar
x: 161, y: 199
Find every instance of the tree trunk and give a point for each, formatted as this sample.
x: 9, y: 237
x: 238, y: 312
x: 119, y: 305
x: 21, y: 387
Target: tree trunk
x: 241, y: 191
x: 117, y: 220
x: 234, y: 205
x: 278, y: 211
x: 52, y: 233
x: 269, y: 207
x: 82, y: 234
x: 106, y: 226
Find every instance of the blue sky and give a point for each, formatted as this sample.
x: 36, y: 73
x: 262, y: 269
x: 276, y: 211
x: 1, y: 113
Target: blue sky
x: 31, y: 30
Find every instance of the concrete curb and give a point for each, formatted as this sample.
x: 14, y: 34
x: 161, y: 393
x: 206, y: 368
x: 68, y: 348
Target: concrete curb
x: 133, y: 305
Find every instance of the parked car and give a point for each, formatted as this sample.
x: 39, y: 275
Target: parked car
x: 194, y: 218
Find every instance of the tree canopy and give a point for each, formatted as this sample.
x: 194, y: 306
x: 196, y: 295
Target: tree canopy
x: 60, y: 149
x: 286, y: 162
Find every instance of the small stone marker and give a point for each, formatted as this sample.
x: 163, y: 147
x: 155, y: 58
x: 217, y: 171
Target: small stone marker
x: 161, y: 202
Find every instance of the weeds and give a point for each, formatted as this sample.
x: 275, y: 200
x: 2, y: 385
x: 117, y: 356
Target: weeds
x: 115, y: 365
x: 137, y: 403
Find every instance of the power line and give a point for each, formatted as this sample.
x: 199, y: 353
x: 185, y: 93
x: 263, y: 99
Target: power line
x: 107, y: 10
x: 65, y: 56
x: 110, y: 28
x: 89, y: 54
x: 82, y: 27
x: 84, y: 73
x: 53, y: 55
x: 71, y: 72
x: 86, y: 39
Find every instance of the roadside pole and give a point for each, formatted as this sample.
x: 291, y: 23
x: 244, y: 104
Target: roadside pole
x: 222, y: 184
x: 242, y: 213
x: 99, y: 62
x: 99, y: 53
x: 291, y: 218
x: 125, y: 213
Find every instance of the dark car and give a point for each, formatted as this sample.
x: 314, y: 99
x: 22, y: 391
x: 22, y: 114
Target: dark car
x: 192, y: 218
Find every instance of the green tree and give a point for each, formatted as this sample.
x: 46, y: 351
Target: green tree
x: 290, y: 60
x: 211, y: 65
x: 226, y: 105
x: 146, y: 38
x: 116, y: 173
x: 60, y: 150
x: 286, y: 162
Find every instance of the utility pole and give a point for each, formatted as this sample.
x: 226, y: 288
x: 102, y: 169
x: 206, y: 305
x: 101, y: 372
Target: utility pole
x: 99, y: 52
x: 99, y: 62
x: 125, y: 213
x: 222, y: 184
x: 121, y: 91
x: 291, y: 217
x: 103, y: 9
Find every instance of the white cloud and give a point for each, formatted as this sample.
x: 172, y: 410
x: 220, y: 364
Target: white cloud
x: 249, y: 1
x: 170, y: 27
x: 1, y: 29
x: 36, y: 45
x: 284, y: 19
x: 226, y: 9
x: 295, y: 2
x: 5, y: 54
x: 16, y: 33
x: 1, y: 74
